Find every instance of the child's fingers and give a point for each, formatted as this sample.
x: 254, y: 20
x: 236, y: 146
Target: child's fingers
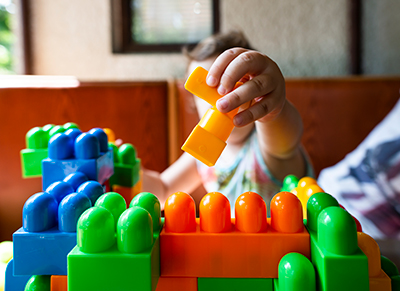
x: 264, y: 106
x: 220, y: 64
x: 247, y: 63
x: 258, y: 86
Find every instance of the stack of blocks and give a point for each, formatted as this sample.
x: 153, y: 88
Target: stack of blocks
x: 86, y: 239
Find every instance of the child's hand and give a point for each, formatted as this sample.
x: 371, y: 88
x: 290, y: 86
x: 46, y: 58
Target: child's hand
x: 263, y: 85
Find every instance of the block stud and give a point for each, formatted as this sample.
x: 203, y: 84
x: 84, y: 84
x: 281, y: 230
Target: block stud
x: 215, y: 213
x: 134, y: 230
x: 250, y: 213
x: 286, y: 213
x: 151, y: 203
x: 180, y: 213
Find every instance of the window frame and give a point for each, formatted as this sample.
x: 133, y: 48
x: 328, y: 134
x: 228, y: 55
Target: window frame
x: 121, y: 31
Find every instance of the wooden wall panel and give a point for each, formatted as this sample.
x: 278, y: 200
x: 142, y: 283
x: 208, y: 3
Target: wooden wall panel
x: 339, y: 113
x: 137, y: 112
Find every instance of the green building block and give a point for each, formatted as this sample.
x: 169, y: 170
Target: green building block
x: 38, y: 283
x: 37, y: 140
x: 391, y: 270
x: 340, y: 263
x: 122, y: 256
x: 289, y: 183
x: 126, y: 166
x: 295, y: 273
x: 234, y: 284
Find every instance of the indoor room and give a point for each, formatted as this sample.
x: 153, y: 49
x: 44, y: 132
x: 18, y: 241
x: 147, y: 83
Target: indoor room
x: 223, y: 126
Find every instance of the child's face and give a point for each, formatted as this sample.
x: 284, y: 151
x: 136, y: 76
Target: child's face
x: 239, y: 133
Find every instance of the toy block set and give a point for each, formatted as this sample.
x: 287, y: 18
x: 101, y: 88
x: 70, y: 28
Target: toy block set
x: 78, y: 236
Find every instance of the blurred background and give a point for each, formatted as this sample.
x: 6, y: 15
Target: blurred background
x: 140, y: 39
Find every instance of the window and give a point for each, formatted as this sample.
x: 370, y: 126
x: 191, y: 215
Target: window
x: 162, y: 25
x: 7, y: 9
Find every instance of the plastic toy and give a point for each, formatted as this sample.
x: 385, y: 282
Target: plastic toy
x: 250, y: 246
x: 208, y: 138
x: 37, y: 140
x: 237, y: 284
x: 14, y: 282
x: 340, y: 263
x: 378, y: 279
x: 176, y: 283
x: 59, y: 283
x: 117, y: 248
x: 38, y: 282
x: 391, y: 270
x: 126, y: 178
x: 48, y: 234
x: 296, y: 273
x: 88, y: 153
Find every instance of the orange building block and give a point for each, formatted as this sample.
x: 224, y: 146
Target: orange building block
x: 249, y: 246
x: 378, y: 280
x: 59, y: 283
x: 208, y: 139
x: 176, y: 283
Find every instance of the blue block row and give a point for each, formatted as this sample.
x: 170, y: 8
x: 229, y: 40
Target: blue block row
x: 87, y: 153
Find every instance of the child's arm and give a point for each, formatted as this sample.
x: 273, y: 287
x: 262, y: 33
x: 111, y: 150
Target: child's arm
x: 182, y: 176
x: 279, y: 126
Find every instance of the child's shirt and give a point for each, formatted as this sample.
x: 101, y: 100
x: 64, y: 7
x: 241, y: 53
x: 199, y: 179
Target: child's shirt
x: 247, y: 172
x: 367, y: 181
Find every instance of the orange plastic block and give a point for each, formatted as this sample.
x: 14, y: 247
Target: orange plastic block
x: 59, y: 283
x: 176, y: 283
x: 208, y: 138
x: 378, y: 280
x: 214, y: 245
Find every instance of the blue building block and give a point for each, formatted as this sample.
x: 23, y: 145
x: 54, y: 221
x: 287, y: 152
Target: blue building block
x: 69, y: 154
x: 13, y: 282
x: 42, y: 253
x: 48, y: 234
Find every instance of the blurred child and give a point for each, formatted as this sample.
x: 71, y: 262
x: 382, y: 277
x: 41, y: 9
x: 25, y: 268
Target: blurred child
x: 263, y: 147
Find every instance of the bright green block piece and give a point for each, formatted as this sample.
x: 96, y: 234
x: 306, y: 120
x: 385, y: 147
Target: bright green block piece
x: 395, y: 283
x: 31, y: 162
x: 116, y: 247
x: 126, y: 166
x: 125, y: 175
x: 38, y: 283
x: 234, y: 284
x: 113, y: 270
x: 340, y: 263
x: 295, y: 273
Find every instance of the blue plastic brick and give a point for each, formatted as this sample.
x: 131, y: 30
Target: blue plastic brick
x: 42, y: 253
x: 69, y: 154
x: 49, y: 226
x: 13, y: 282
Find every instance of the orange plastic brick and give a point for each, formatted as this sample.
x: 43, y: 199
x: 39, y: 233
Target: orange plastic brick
x: 176, y: 283
x: 250, y: 249
x: 208, y: 138
x: 378, y: 280
x: 59, y: 283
